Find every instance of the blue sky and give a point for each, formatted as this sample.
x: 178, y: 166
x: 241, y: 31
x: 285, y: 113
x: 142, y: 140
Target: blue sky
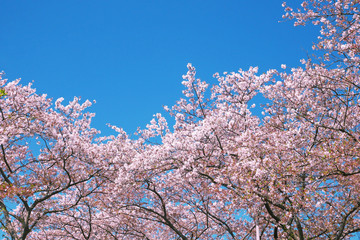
x: 130, y: 56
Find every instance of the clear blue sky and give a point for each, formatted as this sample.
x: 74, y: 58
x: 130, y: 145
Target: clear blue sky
x: 129, y: 56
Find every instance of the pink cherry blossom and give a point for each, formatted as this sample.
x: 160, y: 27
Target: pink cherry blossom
x: 220, y: 172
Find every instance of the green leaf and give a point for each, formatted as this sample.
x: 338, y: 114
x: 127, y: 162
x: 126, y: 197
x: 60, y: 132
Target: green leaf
x: 2, y: 92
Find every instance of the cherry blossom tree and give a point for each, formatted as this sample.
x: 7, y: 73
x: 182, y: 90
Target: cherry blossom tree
x: 50, y: 162
x: 220, y: 172
x: 226, y: 173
